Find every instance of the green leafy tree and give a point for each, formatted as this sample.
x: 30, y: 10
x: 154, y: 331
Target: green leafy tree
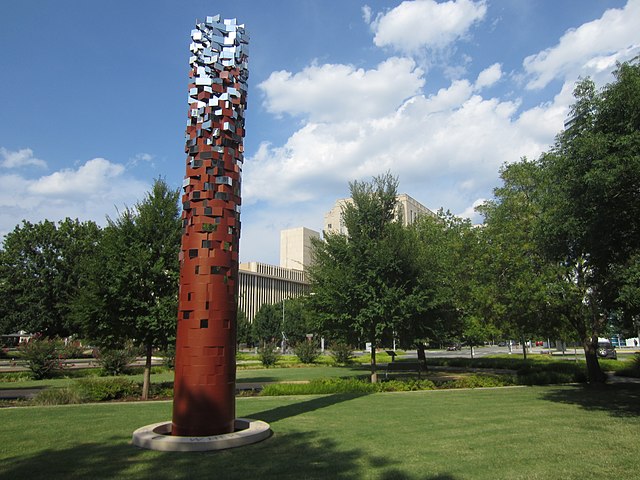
x: 40, y: 270
x: 362, y: 282
x: 522, y: 281
x: 244, y: 329
x: 267, y: 324
x: 433, y: 315
x: 299, y: 319
x: 132, y: 283
x: 591, y: 221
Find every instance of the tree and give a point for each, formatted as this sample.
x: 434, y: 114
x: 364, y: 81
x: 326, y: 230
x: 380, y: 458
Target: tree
x: 267, y: 324
x: 244, y: 329
x: 362, y: 281
x: 591, y: 221
x: 40, y: 269
x: 434, y: 316
x: 299, y: 319
x: 522, y: 278
x: 131, y: 289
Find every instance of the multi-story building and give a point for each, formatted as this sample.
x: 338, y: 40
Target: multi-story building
x: 296, y: 247
x: 407, y: 208
x: 260, y: 283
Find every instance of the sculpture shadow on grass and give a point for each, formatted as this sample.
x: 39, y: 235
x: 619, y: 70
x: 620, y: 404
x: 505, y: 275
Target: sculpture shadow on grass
x: 299, y: 408
x: 619, y: 400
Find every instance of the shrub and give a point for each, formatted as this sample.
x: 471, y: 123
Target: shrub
x: 345, y: 385
x: 550, y: 377
x: 479, y: 381
x: 161, y: 390
x: 169, y: 357
x: 268, y: 355
x: 341, y: 352
x: 408, y: 385
x: 101, y: 389
x: 115, y: 361
x: 15, y: 377
x: 44, y: 356
x: 306, y: 351
x: 320, y: 386
x: 58, y: 396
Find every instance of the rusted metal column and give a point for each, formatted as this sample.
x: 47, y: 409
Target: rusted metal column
x: 204, y: 387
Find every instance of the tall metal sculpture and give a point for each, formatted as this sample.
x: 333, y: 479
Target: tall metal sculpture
x: 204, y: 388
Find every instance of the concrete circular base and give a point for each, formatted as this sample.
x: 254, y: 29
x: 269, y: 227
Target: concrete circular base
x: 158, y: 437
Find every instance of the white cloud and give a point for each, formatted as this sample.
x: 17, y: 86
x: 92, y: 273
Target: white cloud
x: 94, y: 190
x: 589, y: 49
x: 470, y: 212
x: 21, y: 158
x: 489, y: 76
x: 418, y: 24
x: 366, y: 13
x: 91, y: 178
x: 333, y: 92
x: 446, y: 149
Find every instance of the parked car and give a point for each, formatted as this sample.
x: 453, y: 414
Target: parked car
x: 452, y: 348
x: 606, y: 349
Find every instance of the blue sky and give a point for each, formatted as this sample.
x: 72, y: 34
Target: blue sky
x: 93, y: 98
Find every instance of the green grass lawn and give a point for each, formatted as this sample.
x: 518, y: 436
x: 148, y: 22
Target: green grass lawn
x: 512, y: 433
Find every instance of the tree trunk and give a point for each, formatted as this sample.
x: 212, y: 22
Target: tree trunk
x: 374, y: 373
x: 472, y: 352
x: 594, y: 372
x: 422, y: 357
x: 147, y: 373
x: 524, y: 348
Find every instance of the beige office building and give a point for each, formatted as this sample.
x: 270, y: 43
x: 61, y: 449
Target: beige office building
x: 407, y: 207
x: 296, y: 248
x: 260, y: 283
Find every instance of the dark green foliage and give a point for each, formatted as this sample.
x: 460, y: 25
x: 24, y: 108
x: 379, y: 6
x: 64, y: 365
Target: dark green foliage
x: 299, y: 319
x: 306, y: 351
x: 521, y: 284
x: 244, y: 330
x: 44, y: 356
x: 320, y: 386
x: 550, y: 377
x: 479, y: 381
x: 115, y: 361
x: 591, y: 206
x: 267, y: 324
x: 131, y: 287
x: 169, y: 356
x: 58, y: 396
x: 267, y: 354
x: 11, y: 377
x: 364, y: 282
x: 101, y: 389
x: 161, y: 390
x: 341, y: 352
x: 41, y: 267
x: 345, y: 385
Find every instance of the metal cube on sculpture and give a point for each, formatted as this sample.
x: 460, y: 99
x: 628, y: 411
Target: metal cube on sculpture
x: 204, y: 388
